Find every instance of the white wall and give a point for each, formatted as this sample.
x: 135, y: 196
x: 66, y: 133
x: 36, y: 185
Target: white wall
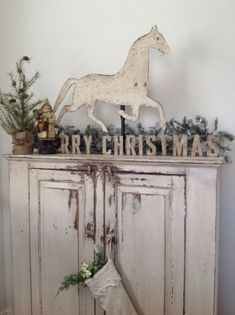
x: 71, y: 38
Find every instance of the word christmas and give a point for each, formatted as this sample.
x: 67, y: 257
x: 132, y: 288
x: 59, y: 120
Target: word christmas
x: 134, y: 145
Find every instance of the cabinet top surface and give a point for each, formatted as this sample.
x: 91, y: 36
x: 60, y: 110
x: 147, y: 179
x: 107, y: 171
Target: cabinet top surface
x: 83, y: 158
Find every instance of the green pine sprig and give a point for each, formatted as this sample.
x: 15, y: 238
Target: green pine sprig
x: 87, y: 271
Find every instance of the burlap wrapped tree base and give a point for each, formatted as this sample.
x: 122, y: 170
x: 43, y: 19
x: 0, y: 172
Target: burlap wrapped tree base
x: 106, y: 286
x: 22, y: 143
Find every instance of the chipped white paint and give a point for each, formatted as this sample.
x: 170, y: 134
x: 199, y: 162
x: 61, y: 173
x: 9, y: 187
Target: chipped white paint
x: 127, y: 87
x: 55, y: 197
x: 150, y: 233
x: 151, y: 204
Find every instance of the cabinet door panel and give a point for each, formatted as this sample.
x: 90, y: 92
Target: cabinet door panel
x: 150, y: 212
x: 59, y: 242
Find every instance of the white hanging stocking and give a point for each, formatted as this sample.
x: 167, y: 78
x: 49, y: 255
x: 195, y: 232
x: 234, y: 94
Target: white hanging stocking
x: 107, y: 287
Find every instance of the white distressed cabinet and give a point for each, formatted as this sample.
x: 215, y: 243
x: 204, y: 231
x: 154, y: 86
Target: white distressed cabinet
x: 162, y: 211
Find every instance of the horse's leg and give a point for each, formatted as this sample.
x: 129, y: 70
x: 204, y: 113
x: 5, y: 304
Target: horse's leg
x: 90, y: 113
x: 65, y: 109
x: 150, y: 102
x: 124, y: 114
x: 133, y: 117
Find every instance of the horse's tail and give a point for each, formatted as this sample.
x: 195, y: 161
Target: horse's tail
x: 67, y: 85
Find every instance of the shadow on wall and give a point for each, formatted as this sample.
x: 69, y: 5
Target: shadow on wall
x: 176, y: 80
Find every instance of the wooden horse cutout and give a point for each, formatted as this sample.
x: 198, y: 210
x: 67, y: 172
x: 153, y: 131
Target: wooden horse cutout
x: 127, y: 87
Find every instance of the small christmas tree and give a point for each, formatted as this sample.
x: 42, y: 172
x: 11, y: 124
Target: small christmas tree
x: 16, y: 107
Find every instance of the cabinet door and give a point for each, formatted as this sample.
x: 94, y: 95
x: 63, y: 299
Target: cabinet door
x: 61, y: 237
x: 147, y: 213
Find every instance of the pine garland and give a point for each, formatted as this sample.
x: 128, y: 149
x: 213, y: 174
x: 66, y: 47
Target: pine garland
x: 16, y: 107
x: 187, y: 126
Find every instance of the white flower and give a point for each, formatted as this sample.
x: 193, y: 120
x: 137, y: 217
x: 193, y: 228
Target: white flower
x: 86, y: 273
x: 84, y: 266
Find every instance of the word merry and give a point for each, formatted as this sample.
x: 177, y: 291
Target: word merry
x: 134, y: 145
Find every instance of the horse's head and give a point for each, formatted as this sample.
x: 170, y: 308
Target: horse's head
x: 158, y: 41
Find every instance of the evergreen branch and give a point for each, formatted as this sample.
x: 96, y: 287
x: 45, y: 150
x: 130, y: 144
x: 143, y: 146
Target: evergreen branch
x: 32, y: 106
x: 68, y: 281
x: 33, y: 79
x: 9, y: 105
x: 12, y: 96
x: 12, y: 112
x: 6, y: 120
x: 226, y: 135
x: 21, y: 75
x: 14, y: 82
